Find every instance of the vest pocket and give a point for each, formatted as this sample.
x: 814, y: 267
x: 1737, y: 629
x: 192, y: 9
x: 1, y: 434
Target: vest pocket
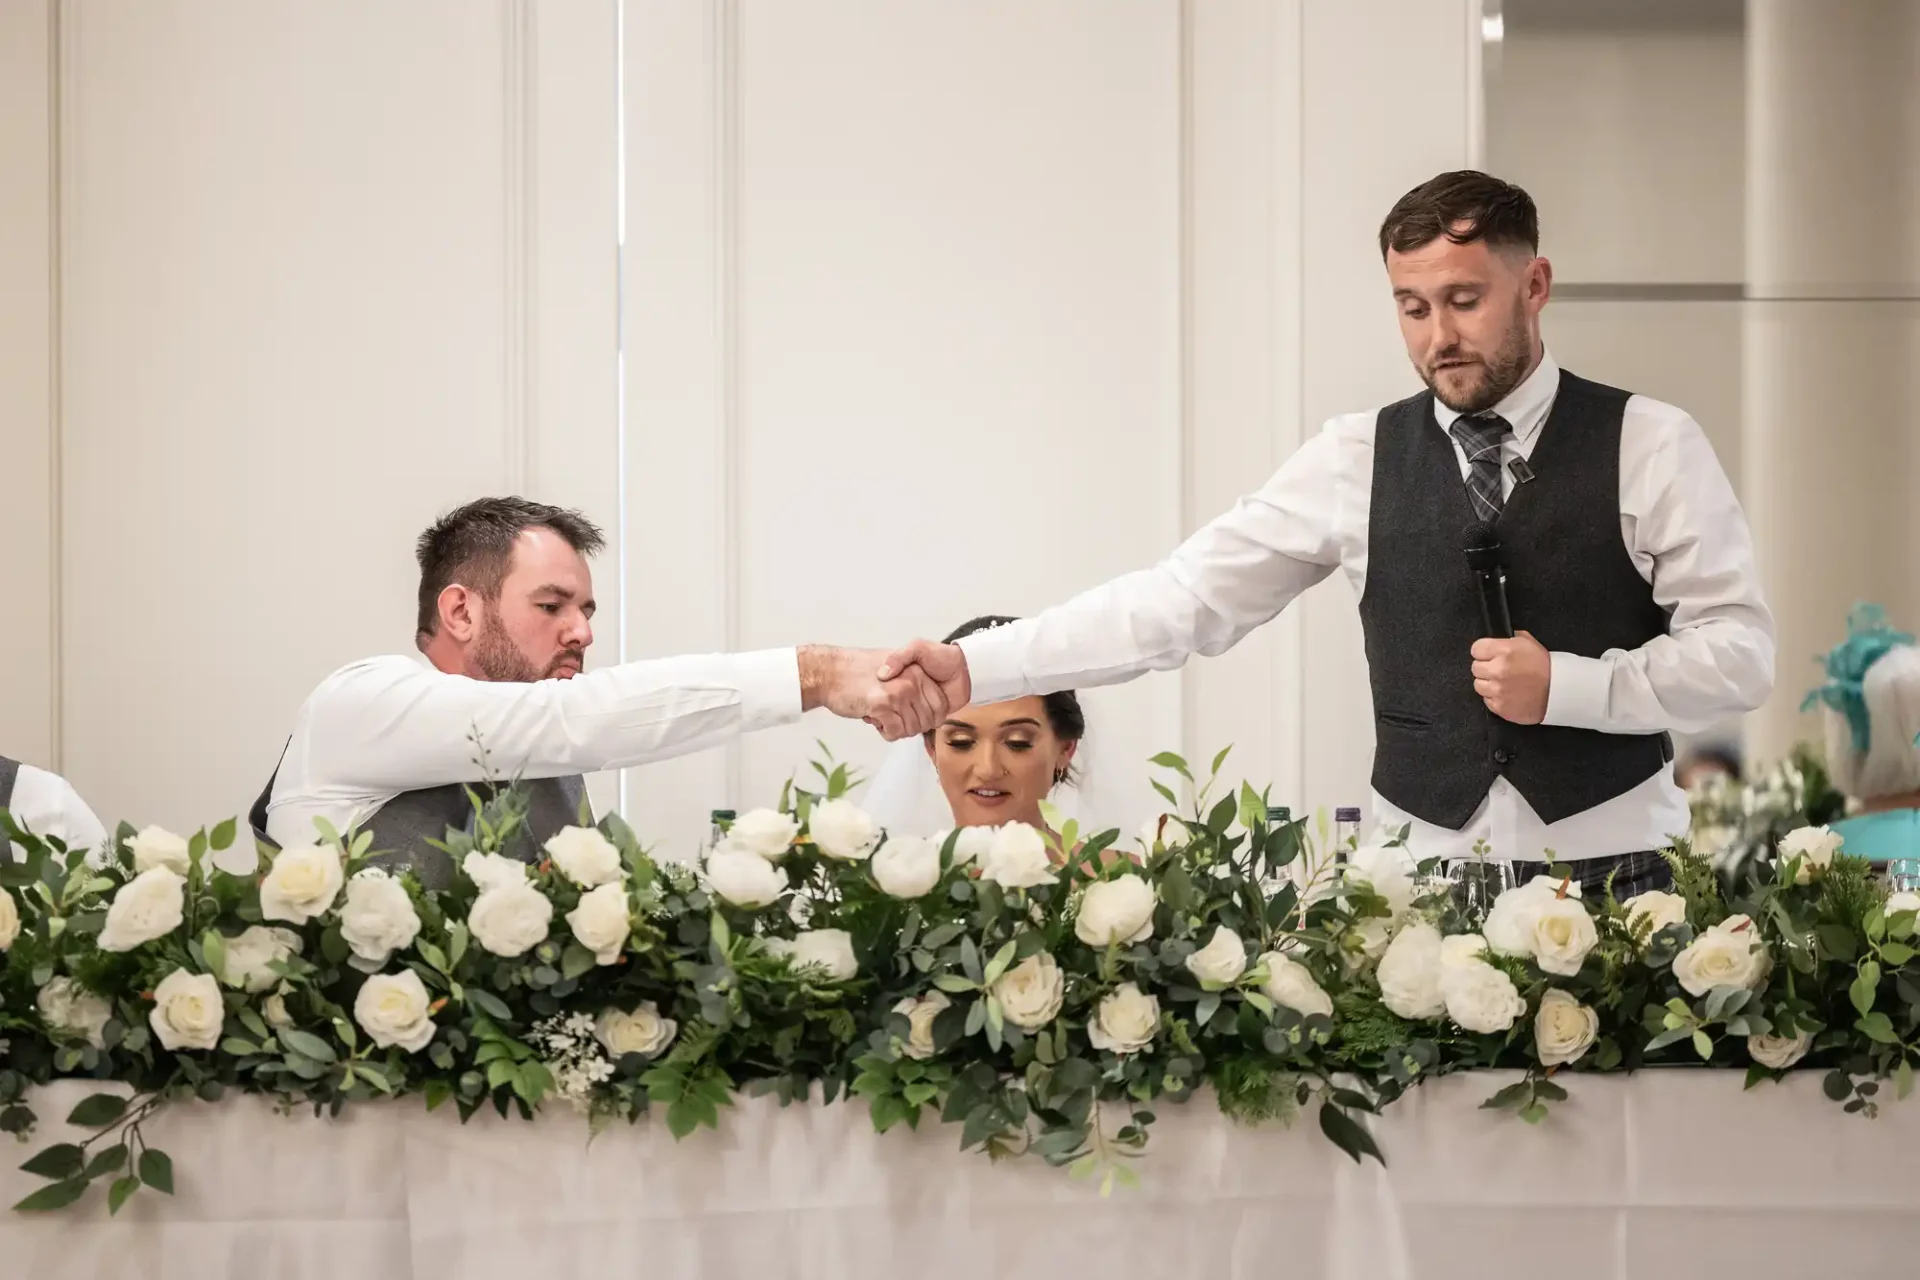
x: 1403, y: 720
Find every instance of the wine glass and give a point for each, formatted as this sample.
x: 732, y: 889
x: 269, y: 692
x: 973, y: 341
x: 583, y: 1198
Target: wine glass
x: 1476, y: 882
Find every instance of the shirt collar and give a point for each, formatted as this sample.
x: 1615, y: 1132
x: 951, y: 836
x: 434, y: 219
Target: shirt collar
x: 1525, y: 407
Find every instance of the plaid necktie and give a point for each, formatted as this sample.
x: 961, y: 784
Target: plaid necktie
x: 1480, y: 437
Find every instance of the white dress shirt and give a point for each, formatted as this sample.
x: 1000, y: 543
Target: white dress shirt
x: 47, y: 805
x: 377, y: 728
x: 1680, y: 523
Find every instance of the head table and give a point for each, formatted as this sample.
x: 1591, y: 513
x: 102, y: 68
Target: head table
x: 1654, y: 1175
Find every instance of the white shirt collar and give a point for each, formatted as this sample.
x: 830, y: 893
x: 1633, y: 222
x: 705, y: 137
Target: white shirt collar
x: 1525, y: 407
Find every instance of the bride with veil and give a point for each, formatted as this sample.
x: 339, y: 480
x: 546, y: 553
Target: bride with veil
x: 985, y: 766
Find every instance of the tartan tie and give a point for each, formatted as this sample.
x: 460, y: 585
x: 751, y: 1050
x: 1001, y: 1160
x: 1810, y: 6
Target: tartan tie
x: 1480, y: 437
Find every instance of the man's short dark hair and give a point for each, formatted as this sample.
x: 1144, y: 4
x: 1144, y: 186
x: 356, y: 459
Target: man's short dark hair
x: 1464, y: 206
x: 473, y: 545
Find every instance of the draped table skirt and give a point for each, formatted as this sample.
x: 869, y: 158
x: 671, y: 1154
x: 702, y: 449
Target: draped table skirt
x: 1665, y: 1173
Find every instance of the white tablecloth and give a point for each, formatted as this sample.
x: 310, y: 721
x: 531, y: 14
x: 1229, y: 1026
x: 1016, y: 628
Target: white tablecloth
x: 1667, y: 1173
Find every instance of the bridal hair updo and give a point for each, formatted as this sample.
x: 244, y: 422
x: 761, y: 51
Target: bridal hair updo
x: 1064, y: 716
x: 1890, y: 766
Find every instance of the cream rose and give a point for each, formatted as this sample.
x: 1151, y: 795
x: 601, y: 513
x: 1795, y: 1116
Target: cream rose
x: 1779, y: 1052
x: 1409, y: 973
x: 973, y: 845
x: 1564, y: 1029
x: 250, y: 954
x: 1563, y: 934
x: 149, y: 906
x: 585, y: 857
x: 841, y: 829
x: 1814, y: 846
x: 511, y: 920
x: 70, y: 1010
x: 643, y: 1032
x: 394, y: 1010
x: 1730, y: 954
x: 1658, y: 908
x: 1389, y: 870
x: 906, y: 867
x: 1018, y: 858
x: 1480, y: 998
x: 765, y: 833
x: 1291, y: 983
x: 1031, y: 991
x: 829, y: 951
x: 9, y: 920
x: 377, y: 919
x: 1222, y: 960
x: 1509, y: 927
x: 158, y: 847
x: 1125, y: 1020
x: 920, y: 1015
x: 1905, y: 900
x: 493, y: 870
x: 1116, y: 910
x: 1462, y: 948
x: 744, y: 879
x: 601, y: 922
x: 187, y: 1012
x: 302, y: 884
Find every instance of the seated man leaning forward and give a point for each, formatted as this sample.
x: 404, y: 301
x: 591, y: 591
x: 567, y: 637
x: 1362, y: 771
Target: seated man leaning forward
x: 505, y: 618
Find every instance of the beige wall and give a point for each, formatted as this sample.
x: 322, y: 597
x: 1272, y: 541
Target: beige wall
x: 929, y: 311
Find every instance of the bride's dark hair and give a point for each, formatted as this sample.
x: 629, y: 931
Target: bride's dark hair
x: 1068, y: 721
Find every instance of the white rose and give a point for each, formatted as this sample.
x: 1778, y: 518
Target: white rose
x: 1373, y: 934
x: 1166, y: 831
x: 1116, y: 910
x: 511, y: 920
x: 585, y: 857
x: 1730, y: 954
x: 828, y: 950
x: 1563, y: 934
x: 377, y: 919
x: 643, y: 1032
x: 69, y: 1009
x: 972, y: 846
x: 1409, y: 973
x: 1564, y: 1029
x: 1814, y: 846
x: 302, y: 884
x: 1291, y: 983
x: 493, y: 870
x: 841, y: 829
x: 1031, y: 991
x: 907, y: 867
x: 393, y: 1009
x: 1480, y: 998
x: 1125, y: 1020
x: 187, y: 1012
x: 275, y: 1010
x: 1779, y: 1052
x: 1509, y: 926
x: 765, y: 833
x: 250, y: 954
x: 744, y: 879
x: 920, y: 1015
x: 149, y: 906
x: 9, y: 920
x: 1462, y: 948
x: 601, y: 922
x: 1222, y: 960
x: 1018, y: 858
x: 1905, y: 900
x: 1660, y: 909
x: 158, y: 847
x: 1390, y: 871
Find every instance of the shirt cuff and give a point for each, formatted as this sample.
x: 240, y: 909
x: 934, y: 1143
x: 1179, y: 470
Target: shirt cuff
x: 1577, y: 692
x: 993, y: 663
x: 769, y: 684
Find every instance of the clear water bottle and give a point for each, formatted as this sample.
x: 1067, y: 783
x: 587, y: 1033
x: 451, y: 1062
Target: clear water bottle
x: 1346, y: 831
x: 720, y: 820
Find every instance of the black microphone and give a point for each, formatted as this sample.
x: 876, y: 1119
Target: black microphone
x: 1488, y: 565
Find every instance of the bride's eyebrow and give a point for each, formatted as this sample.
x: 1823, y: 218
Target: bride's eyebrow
x: 1024, y: 722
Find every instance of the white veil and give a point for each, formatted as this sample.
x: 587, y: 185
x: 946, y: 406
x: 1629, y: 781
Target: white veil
x: 905, y: 795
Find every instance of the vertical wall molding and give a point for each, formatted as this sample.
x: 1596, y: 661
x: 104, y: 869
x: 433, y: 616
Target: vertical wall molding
x: 725, y: 52
x: 1286, y: 190
x: 520, y: 173
x: 1186, y: 500
x: 61, y: 49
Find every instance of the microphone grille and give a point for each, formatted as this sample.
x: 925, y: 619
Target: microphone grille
x: 1481, y: 537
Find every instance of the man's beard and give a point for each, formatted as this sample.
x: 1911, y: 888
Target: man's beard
x: 1504, y: 370
x: 498, y: 660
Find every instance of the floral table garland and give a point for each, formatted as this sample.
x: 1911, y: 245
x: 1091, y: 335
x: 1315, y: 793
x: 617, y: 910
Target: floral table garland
x: 1038, y: 991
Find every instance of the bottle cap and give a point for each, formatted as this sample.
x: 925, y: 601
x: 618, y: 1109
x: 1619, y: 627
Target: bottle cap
x: 1279, y: 813
x: 726, y: 815
x: 1348, y: 813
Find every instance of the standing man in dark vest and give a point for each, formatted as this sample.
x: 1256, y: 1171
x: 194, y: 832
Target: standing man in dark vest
x: 1630, y: 566
x: 506, y: 606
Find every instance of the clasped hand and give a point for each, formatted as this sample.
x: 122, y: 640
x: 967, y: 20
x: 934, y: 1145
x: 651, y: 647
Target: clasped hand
x: 901, y: 693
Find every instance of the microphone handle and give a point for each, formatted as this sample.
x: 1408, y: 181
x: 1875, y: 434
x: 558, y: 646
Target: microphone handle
x: 1493, y: 604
